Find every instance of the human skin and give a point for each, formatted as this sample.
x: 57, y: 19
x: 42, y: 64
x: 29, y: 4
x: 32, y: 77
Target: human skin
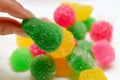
x: 15, y: 9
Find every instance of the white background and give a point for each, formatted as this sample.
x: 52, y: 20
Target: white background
x: 103, y: 10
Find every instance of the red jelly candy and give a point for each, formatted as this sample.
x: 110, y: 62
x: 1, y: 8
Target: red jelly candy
x: 64, y: 16
x: 101, y: 30
x: 35, y: 51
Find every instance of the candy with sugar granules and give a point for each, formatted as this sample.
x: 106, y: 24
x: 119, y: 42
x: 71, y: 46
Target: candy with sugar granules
x: 64, y: 16
x: 103, y: 53
x: 66, y: 47
x: 78, y: 30
x: 47, y: 35
x: 82, y: 11
x: 101, y: 30
x: 20, y: 59
x: 23, y: 41
x: 92, y: 74
x: 80, y: 60
x: 35, y: 50
x: 85, y: 45
x: 63, y: 69
x: 89, y: 23
x: 43, y: 67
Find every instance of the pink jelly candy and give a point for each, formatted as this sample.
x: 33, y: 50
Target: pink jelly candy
x: 64, y: 16
x: 35, y: 51
x: 103, y: 52
x: 101, y: 30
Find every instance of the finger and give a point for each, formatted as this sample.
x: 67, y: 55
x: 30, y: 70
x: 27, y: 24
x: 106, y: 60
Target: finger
x: 10, y: 26
x: 15, y: 9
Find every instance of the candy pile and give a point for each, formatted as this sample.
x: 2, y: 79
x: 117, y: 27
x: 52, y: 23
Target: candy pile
x: 61, y: 49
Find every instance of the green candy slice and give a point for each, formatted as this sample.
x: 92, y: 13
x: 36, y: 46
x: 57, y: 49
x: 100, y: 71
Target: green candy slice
x: 47, y: 35
x: 80, y: 60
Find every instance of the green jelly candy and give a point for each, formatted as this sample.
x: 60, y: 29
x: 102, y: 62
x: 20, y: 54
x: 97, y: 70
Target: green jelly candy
x: 20, y: 59
x: 89, y: 23
x: 43, y: 67
x: 85, y: 45
x: 47, y: 35
x: 78, y: 30
x: 80, y: 60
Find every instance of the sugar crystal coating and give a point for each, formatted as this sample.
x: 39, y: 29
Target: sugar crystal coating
x: 64, y: 16
x: 20, y: 59
x: 101, y: 30
x: 104, y: 53
x: 80, y: 60
x: 43, y: 67
x: 93, y: 74
x: 47, y: 35
x: 66, y: 47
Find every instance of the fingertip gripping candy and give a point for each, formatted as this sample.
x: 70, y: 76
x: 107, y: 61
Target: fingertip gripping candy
x: 103, y: 53
x: 80, y: 60
x: 64, y: 16
x: 35, y: 50
x: 66, y: 47
x: 23, y: 42
x: 78, y: 30
x: 92, y: 74
x: 20, y: 59
x: 101, y: 30
x: 43, y: 67
x: 47, y: 35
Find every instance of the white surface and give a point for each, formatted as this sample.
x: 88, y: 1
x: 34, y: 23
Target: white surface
x: 103, y: 10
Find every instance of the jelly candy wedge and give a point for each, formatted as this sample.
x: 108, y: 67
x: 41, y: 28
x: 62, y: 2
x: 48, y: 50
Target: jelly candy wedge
x: 47, y: 35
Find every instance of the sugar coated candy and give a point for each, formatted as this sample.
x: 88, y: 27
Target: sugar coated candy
x: 43, y: 67
x: 101, y: 30
x: 64, y: 16
x: 80, y: 60
x: 92, y: 74
x: 78, y: 30
x: 35, y: 50
x: 82, y: 11
x: 20, y: 59
x: 85, y: 45
x: 103, y: 52
x: 89, y: 23
x: 47, y: 35
x: 23, y: 41
x: 66, y: 47
x: 63, y: 69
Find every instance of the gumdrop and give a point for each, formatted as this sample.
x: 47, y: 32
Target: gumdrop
x: 103, y: 53
x: 101, y: 30
x: 43, y: 67
x: 78, y: 30
x: 20, y: 59
x: 47, y: 35
x: 64, y: 16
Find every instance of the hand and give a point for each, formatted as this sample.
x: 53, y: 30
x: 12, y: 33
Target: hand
x: 11, y: 26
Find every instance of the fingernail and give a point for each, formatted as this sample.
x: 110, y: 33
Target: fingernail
x: 29, y: 14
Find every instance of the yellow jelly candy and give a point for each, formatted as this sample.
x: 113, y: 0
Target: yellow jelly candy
x: 82, y: 11
x: 23, y: 42
x: 63, y: 69
x: 66, y: 46
x: 92, y: 74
